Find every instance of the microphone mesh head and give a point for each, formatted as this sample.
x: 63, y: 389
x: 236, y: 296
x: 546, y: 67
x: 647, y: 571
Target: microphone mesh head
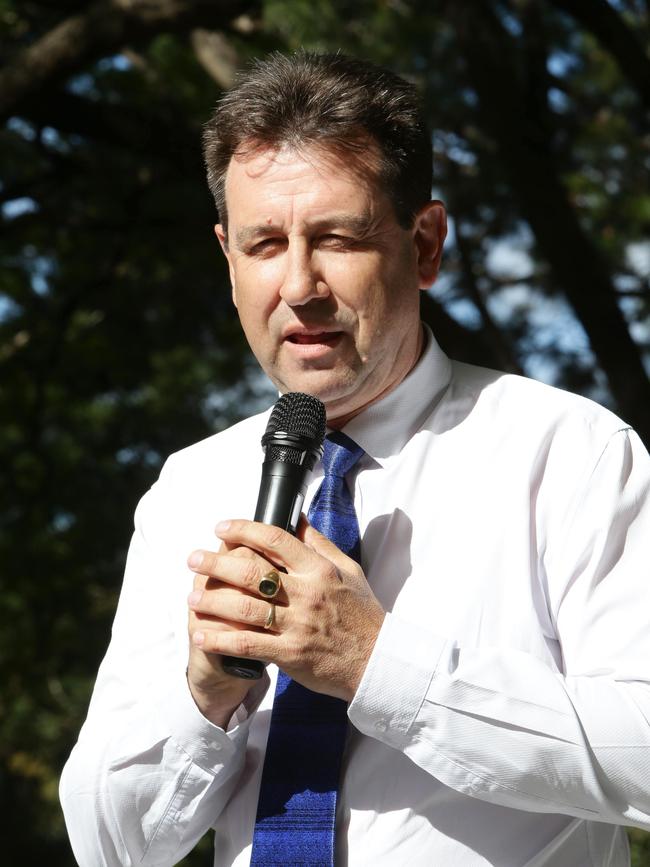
x: 301, y: 416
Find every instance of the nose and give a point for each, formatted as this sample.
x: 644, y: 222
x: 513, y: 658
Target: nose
x: 302, y: 281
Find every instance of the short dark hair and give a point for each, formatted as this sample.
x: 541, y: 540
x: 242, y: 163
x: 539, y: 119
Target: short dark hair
x: 329, y: 100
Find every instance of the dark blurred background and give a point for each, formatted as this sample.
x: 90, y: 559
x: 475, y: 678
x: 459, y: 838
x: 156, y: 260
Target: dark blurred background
x: 118, y: 342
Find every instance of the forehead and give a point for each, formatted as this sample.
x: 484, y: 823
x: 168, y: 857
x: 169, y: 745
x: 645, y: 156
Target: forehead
x: 261, y: 176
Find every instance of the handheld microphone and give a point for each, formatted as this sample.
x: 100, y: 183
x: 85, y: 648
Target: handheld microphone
x: 293, y: 442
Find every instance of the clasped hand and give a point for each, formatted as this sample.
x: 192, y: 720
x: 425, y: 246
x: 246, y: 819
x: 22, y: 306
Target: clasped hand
x: 326, y: 617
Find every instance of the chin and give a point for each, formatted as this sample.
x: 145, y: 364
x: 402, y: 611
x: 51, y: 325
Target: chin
x: 325, y: 389
x: 324, y: 384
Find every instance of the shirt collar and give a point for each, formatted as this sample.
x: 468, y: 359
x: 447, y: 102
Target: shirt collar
x: 385, y: 427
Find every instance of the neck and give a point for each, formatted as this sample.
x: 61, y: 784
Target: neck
x: 338, y: 422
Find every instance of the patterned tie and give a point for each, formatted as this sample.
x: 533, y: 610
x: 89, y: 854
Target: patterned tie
x: 297, y: 803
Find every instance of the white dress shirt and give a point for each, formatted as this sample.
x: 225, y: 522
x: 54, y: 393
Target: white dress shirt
x: 504, y: 716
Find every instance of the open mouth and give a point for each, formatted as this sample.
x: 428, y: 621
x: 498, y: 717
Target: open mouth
x: 322, y: 337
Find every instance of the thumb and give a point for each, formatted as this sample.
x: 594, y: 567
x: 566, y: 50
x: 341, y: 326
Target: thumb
x: 323, y: 546
x: 315, y: 540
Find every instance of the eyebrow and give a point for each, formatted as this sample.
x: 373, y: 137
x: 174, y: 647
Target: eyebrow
x: 356, y: 225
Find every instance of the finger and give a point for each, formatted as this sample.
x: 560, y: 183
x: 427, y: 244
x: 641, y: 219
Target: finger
x: 240, y: 643
x: 275, y: 544
x: 200, y: 623
x: 316, y: 541
x: 198, y: 620
x: 205, y: 582
x: 266, y: 569
x: 199, y: 581
x: 324, y: 547
x: 243, y: 573
x: 237, y: 550
x: 231, y: 606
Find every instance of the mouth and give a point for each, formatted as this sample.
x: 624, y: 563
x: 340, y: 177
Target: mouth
x: 311, y: 345
x: 328, y: 338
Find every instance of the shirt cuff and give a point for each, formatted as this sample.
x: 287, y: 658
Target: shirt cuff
x: 396, y: 680
x: 208, y: 745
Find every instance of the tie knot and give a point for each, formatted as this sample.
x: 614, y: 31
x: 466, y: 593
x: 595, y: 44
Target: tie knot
x: 340, y: 454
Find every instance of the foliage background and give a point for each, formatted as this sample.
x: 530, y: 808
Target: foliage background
x: 118, y: 343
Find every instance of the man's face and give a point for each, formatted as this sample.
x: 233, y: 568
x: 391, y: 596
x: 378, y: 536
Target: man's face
x: 324, y: 279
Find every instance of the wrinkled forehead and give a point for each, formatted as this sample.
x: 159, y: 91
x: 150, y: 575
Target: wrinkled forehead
x: 358, y: 159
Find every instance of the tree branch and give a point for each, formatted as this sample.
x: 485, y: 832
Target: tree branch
x: 497, y: 340
x: 455, y: 339
x: 601, y: 19
x: 216, y: 55
x: 104, y: 27
x: 115, y: 124
x: 578, y: 265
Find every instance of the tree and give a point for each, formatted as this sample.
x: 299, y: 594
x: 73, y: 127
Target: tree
x: 118, y: 342
x: 118, y: 346
x: 524, y: 148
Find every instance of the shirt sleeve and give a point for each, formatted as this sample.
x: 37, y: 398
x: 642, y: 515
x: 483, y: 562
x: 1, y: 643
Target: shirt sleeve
x: 149, y: 774
x: 501, y: 725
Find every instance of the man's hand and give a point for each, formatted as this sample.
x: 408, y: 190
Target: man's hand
x: 216, y: 694
x: 326, y: 617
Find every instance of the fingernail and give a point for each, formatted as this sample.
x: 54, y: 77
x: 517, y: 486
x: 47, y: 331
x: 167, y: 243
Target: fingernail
x: 195, y: 559
x: 222, y: 527
x: 198, y: 638
x: 194, y: 597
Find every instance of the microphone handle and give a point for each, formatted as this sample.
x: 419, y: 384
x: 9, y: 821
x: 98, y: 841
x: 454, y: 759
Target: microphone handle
x: 282, y: 493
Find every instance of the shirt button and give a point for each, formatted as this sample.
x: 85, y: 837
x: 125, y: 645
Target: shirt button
x: 381, y: 725
x: 217, y: 746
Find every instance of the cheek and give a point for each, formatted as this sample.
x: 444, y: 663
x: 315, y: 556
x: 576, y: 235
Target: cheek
x: 391, y: 300
x: 356, y: 280
x: 255, y: 288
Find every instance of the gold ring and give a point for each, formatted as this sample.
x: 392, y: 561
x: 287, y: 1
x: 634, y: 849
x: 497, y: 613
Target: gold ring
x: 270, y: 617
x: 270, y: 584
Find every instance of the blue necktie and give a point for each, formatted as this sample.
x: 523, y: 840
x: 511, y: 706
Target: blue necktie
x: 297, y: 803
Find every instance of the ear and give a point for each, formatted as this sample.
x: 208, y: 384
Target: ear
x: 430, y: 231
x: 223, y: 241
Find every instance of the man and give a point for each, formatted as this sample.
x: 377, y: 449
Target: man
x: 492, y: 645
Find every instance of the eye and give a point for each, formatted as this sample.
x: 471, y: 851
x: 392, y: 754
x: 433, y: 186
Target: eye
x: 266, y: 246
x: 335, y: 241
